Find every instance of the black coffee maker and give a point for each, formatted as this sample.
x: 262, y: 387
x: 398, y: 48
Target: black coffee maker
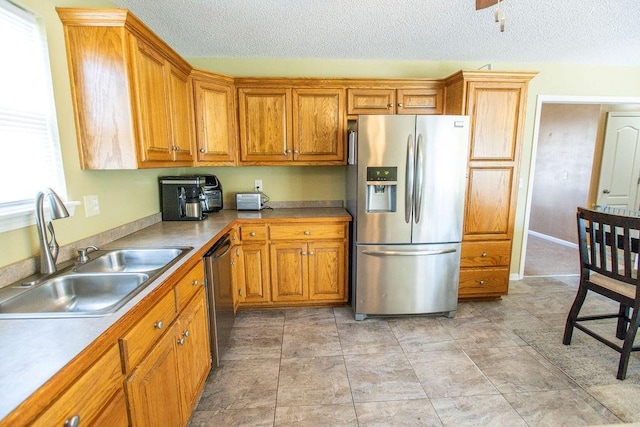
x: 181, y: 198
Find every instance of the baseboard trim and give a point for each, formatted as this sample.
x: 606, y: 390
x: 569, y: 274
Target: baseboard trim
x: 553, y: 239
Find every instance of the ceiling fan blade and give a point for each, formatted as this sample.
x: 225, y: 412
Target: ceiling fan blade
x: 482, y: 4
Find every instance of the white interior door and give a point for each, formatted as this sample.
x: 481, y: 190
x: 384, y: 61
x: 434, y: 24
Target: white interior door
x: 620, y: 170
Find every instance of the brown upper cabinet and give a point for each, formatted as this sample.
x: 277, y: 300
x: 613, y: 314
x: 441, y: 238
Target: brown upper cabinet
x: 291, y: 125
x: 131, y: 92
x: 216, y: 135
x: 428, y: 99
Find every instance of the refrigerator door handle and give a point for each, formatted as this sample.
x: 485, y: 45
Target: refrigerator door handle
x: 408, y: 253
x: 419, y: 175
x: 409, y: 176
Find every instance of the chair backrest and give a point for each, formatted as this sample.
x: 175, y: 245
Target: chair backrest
x: 609, y: 244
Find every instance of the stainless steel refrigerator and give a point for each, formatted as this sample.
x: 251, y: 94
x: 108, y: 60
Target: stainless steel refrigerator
x: 406, y: 183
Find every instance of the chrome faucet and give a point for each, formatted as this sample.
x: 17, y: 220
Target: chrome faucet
x: 48, y: 247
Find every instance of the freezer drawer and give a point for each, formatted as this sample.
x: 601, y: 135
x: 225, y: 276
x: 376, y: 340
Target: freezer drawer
x: 406, y: 279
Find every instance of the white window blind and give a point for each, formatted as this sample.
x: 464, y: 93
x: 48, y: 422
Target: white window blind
x: 30, y: 159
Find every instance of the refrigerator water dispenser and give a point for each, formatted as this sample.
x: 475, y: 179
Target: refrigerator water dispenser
x: 381, y: 189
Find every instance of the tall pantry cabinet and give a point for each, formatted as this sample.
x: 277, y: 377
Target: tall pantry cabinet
x: 495, y: 102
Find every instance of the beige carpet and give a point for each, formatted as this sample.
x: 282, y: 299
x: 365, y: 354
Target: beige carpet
x: 547, y: 258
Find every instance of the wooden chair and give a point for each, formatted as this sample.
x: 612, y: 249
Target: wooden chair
x: 608, y: 257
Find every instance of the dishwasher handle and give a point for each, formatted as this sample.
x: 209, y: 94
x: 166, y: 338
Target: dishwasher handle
x: 220, y: 249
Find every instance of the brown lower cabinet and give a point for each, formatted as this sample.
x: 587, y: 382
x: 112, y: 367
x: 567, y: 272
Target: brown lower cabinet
x: 292, y: 263
x: 150, y: 375
x: 96, y: 398
x: 163, y: 388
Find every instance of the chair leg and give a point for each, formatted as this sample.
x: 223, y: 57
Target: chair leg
x: 632, y: 329
x: 623, y: 322
x: 573, y: 314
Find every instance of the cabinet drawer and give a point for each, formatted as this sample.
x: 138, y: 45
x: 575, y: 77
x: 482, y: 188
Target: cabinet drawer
x: 189, y: 285
x: 93, y: 396
x: 146, y: 332
x: 307, y: 231
x: 479, y: 282
x: 485, y: 254
x: 252, y: 233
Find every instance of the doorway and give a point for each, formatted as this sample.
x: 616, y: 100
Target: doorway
x: 564, y: 170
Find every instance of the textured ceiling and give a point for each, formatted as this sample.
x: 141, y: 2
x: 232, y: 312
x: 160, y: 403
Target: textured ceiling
x: 566, y: 31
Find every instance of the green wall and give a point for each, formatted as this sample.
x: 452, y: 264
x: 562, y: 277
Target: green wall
x: 129, y: 195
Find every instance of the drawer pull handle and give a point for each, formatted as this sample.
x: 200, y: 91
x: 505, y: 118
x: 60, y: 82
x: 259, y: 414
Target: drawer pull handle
x: 481, y: 282
x: 72, y: 422
x: 181, y: 341
x: 252, y: 234
x: 158, y: 324
x: 195, y: 282
x: 307, y: 232
x: 484, y: 254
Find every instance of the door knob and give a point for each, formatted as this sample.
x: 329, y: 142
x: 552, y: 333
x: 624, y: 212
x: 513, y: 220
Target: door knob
x: 605, y: 191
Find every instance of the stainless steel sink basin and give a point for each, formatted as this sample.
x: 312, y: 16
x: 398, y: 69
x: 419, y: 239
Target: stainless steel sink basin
x: 131, y: 260
x: 96, y: 288
x: 75, y: 295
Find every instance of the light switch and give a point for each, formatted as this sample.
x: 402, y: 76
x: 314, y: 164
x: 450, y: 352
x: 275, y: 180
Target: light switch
x: 91, y: 205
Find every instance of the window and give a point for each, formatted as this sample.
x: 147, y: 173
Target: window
x: 31, y: 157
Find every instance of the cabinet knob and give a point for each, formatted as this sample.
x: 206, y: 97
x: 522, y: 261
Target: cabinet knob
x: 202, y: 150
x: 484, y: 255
x: 240, y: 292
x: 177, y: 148
x: 311, y: 253
x: 158, y: 324
x: 186, y: 334
x: 303, y: 253
x: 307, y: 232
x: 181, y: 341
x: 287, y: 151
x: 72, y: 422
x: 400, y: 104
x: 481, y: 282
x: 390, y: 105
x: 252, y: 234
x: 195, y: 282
x: 295, y: 151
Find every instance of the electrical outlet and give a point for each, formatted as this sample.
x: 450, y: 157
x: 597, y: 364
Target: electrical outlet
x: 257, y: 185
x: 91, y: 205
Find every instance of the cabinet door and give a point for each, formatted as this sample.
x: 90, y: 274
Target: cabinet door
x: 371, y: 101
x: 265, y: 125
x: 194, y: 357
x: 496, y: 111
x: 153, y: 390
x: 420, y: 101
x: 181, y: 117
x: 327, y: 270
x: 489, y: 207
x: 255, y: 280
x: 318, y: 123
x: 215, y: 123
x: 151, y: 102
x: 289, y: 271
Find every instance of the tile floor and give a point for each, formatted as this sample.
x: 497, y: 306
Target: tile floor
x: 319, y: 367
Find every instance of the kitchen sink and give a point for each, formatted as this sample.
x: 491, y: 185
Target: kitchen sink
x: 75, y: 295
x: 131, y: 260
x: 93, y: 289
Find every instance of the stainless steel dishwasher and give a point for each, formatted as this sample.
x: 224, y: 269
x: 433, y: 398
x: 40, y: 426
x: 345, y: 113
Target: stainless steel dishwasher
x: 217, y: 263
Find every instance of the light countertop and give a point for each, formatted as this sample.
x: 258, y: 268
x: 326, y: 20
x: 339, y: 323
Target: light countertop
x: 34, y: 350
